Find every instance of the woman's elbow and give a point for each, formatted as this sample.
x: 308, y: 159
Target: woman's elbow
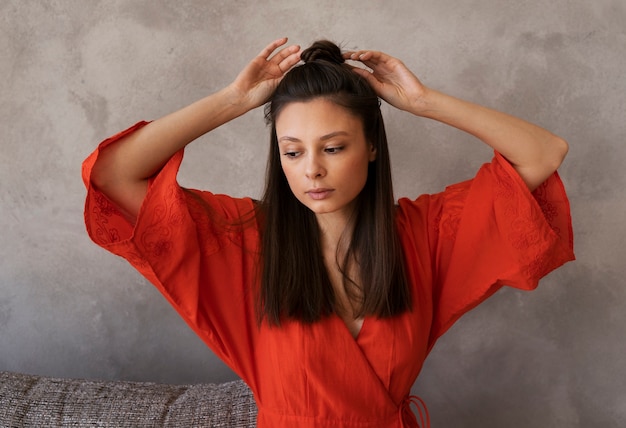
x: 556, y: 151
x: 546, y: 163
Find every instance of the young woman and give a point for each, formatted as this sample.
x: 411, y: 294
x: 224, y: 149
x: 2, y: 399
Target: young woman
x: 326, y: 296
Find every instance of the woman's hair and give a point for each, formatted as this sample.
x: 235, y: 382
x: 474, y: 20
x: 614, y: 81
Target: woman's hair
x: 294, y: 279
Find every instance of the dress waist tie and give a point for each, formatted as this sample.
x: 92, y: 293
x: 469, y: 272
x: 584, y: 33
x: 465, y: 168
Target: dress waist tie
x: 407, y: 416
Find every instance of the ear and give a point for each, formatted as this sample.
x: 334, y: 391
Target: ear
x: 372, y: 154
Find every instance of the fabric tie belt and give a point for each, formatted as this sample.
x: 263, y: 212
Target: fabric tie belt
x: 408, y: 418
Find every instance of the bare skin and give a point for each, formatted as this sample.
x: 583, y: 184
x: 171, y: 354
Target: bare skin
x: 325, y: 157
x: 122, y: 170
x: 533, y: 151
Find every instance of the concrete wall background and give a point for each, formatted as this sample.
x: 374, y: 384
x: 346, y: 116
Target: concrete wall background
x: 74, y: 72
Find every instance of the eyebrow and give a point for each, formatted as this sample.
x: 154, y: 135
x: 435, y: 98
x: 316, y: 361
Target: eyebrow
x: 287, y: 138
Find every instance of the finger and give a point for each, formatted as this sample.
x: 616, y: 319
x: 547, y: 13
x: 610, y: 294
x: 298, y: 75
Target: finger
x: 291, y: 60
x: 285, y: 53
x: 368, y: 76
x: 267, y: 51
x: 372, y: 59
x: 365, y: 58
x: 362, y: 72
x: 361, y: 55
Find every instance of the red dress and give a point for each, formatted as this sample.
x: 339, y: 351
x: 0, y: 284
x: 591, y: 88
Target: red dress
x: 460, y: 246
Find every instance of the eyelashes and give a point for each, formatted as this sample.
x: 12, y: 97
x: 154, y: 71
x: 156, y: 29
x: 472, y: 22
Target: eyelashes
x: 330, y: 150
x: 333, y: 150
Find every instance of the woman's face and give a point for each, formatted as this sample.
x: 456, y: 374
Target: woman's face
x: 324, y: 155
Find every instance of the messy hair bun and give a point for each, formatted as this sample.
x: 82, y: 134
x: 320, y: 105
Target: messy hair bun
x: 324, y: 73
x: 322, y: 50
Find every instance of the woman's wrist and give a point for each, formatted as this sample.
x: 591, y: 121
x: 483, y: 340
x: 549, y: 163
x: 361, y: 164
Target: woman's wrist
x: 241, y: 100
x: 424, y: 103
x: 236, y: 100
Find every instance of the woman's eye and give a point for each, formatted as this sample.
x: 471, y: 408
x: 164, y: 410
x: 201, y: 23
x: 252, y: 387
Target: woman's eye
x: 291, y: 154
x: 333, y: 150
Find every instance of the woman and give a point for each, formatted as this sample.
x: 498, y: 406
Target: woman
x: 325, y: 296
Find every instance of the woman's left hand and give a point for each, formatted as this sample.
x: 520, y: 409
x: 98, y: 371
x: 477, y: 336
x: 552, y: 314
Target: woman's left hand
x: 391, y: 79
x: 533, y: 151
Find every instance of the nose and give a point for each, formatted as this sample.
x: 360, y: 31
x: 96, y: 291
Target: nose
x: 314, y: 167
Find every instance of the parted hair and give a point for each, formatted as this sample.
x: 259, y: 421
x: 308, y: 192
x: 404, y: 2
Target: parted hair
x: 294, y: 282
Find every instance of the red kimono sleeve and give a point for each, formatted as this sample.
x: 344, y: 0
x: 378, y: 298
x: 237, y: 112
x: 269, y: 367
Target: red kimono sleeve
x: 485, y: 233
x: 194, y: 247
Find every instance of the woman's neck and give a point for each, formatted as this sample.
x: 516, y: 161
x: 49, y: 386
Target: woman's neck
x: 336, y: 228
x: 335, y: 233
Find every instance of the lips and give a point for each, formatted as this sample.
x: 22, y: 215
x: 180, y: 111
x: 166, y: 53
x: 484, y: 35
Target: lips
x: 319, y: 194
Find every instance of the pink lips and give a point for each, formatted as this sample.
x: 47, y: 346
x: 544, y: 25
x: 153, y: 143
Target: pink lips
x: 319, y: 194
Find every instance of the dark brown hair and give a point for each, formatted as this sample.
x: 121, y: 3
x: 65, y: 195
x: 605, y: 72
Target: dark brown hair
x: 294, y: 280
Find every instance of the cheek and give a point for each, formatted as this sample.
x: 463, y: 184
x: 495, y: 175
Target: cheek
x: 358, y: 176
x: 357, y: 169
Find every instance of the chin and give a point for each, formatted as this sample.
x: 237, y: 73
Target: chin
x: 320, y: 210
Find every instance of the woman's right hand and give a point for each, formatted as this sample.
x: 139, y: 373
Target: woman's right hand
x: 123, y: 170
x: 257, y: 81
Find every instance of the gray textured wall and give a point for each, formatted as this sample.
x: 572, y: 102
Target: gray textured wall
x: 73, y: 72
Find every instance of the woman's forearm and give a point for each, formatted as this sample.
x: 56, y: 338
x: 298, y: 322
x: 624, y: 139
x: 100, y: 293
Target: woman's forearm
x: 533, y: 151
x: 123, y: 169
x: 144, y: 152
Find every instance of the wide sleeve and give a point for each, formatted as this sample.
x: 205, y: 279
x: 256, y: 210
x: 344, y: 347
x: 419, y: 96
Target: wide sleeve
x: 197, y: 248
x: 488, y: 232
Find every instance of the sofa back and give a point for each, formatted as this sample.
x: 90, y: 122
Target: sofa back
x: 36, y: 401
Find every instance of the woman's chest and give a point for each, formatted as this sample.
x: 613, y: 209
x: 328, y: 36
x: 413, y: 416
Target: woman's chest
x: 306, y: 362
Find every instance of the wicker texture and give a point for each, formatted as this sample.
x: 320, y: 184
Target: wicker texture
x: 35, y: 401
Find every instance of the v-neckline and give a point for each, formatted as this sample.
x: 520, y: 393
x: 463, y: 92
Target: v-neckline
x: 349, y: 331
